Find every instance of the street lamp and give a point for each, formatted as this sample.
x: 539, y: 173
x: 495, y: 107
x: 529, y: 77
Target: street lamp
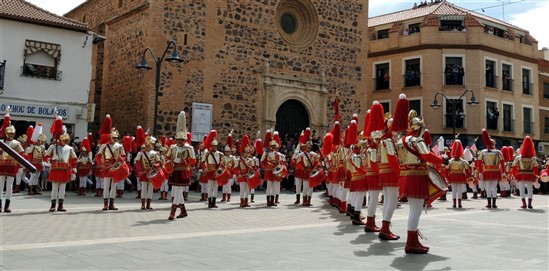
x: 144, y: 66
x: 435, y: 105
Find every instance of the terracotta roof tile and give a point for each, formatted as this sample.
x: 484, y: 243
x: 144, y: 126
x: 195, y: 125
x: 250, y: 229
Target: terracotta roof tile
x: 24, y: 11
x: 430, y: 20
x: 471, y: 21
x: 396, y: 27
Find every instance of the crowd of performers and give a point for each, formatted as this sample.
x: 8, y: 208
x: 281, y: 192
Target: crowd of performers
x: 391, y: 156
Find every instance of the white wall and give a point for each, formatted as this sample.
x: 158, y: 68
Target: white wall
x: 70, y: 93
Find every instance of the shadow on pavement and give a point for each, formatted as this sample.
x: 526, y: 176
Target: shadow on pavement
x: 417, y: 261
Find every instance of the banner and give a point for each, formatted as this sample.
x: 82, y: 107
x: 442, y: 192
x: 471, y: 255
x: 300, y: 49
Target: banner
x: 201, y: 120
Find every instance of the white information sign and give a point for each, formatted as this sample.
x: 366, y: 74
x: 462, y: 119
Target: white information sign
x: 35, y: 110
x: 201, y: 121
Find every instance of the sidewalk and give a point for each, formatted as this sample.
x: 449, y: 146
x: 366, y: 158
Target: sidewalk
x: 286, y: 237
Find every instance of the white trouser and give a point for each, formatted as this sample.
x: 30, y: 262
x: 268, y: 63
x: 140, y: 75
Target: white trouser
x: 21, y: 176
x: 34, y: 178
x: 177, y: 194
x: 358, y: 200
x: 99, y: 183
x: 504, y: 185
x: 252, y: 191
x: 491, y: 188
x: 474, y: 187
x: 457, y: 190
x: 226, y: 189
x: 270, y: 188
x: 120, y: 185
x: 110, y: 188
x: 529, y: 186
x: 44, y: 178
x: 185, y: 188
x: 164, y: 187
x: 58, y: 190
x: 204, y: 188
x: 298, y: 184
x: 329, y: 188
x: 244, y: 190
x: 482, y: 185
x: 8, y: 180
x: 276, y: 188
x: 212, y: 189
x: 351, y: 198
x: 343, y: 193
x: 416, y: 206
x: 390, y: 202
x: 307, y: 190
x: 337, y: 190
x: 373, y: 197
x: 83, y: 181
x: 146, y: 190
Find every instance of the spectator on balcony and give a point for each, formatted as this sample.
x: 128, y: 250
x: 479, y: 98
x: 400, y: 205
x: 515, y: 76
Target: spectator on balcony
x: 448, y: 73
x: 506, y: 80
x: 405, y: 33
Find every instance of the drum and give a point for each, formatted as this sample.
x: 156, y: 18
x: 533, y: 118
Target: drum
x: 316, y: 177
x: 119, y: 171
x: 169, y: 167
x: 98, y: 161
x: 544, y: 176
x: 156, y: 177
x: 280, y: 171
x: 254, y: 179
x: 537, y: 185
x: 222, y: 176
x: 437, y: 185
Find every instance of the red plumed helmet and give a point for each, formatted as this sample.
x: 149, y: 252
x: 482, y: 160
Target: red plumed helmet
x: 457, y: 149
x: 351, y: 136
x: 170, y: 142
x: 276, y: 137
x: 377, y: 119
x: 306, y: 136
x: 85, y: 145
x: 90, y: 138
x: 487, y: 140
x: 189, y: 137
x: 245, y: 142
x: 327, y: 144
x: 106, y: 126
x: 258, y: 146
x: 268, y: 138
x: 365, y: 131
x: 57, y: 127
x: 511, y: 154
x: 139, y: 137
x: 30, y: 131
x: 5, y: 124
x: 209, y: 139
x: 427, y: 137
x: 355, y: 118
x: 400, y: 119
x: 336, y: 132
x: 527, y: 149
x: 163, y: 140
x: 127, y: 143
x: 229, y: 141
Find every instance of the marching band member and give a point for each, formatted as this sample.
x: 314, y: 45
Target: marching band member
x: 491, y: 163
x: 525, y: 167
x: 8, y: 164
x: 144, y: 162
x: 413, y: 155
x: 63, y: 165
x: 246, y: 164
x: 258, y: 146
x: 182, y: 157
x: 108, y: 155
x: 229, y: 161
x: 299, y: 174
x: 276, y: 144
x: 35, y: 154
x: 308, y: 161
x: 212, y: 163
x: 22, y: 172
x: 84, y: 166
x: 202, y: 185
x: 357, y: 167
x: 162, y: 149
x: 269, y: 161
x: 458, y: 173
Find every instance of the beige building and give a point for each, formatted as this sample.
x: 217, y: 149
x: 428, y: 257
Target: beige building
x: 543, y: 146
x: 259, y: 64
x: 441, y: 47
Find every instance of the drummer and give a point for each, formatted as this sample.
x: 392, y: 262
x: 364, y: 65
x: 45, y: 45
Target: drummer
x: 526, y: 167
x: 458, y: 173
x: 229, y: 161
x: 181, y: 156
x: 8, y: 164
x: 212, y: 161
x: 269, y: 161
x: 413, y: 155
x: 309, y: 162
x: 492, y: 165
x: 246, y: 165
x: 144, y: 162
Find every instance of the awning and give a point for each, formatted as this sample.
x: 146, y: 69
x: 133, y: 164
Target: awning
x: 452, y: 18
x: 51, y: 49
x: 492, y: 24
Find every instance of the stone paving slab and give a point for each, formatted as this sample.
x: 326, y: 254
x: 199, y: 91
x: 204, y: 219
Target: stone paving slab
x: 261, y: 238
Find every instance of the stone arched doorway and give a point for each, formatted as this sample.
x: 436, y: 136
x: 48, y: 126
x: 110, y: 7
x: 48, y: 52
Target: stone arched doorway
x: 291, y: 118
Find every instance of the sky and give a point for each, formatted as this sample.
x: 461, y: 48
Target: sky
x: 526, y: 14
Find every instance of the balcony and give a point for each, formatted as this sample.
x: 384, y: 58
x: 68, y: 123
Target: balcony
x: 453, y: 79
x: 491, y: 123
x: 412, y: 80
x: 382, y: 83
x: 528, y: 127
x: 491, y: 81
x: 460, y: 121
x: 508, y: 125
x: 507, y: 84
x: 527, y: 88
x: 39, y: 71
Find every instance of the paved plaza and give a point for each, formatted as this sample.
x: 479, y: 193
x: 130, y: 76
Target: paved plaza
x: 266, y: 238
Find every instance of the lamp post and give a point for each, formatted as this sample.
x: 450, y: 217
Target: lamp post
x: 435, y: 105
x: 144, y: 66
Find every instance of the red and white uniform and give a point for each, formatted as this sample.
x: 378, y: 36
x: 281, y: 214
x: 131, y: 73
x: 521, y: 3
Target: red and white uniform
x: 458, y: 173
x: 63, y: 165
x: 8, y: 168
x: 183, y: 159
x: 269, y: 161
x: 144, y: 161
x: 526, y: 172
x: 109, y: 153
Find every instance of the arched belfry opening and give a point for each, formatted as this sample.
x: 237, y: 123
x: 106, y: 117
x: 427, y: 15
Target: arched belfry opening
x: 291, y: 118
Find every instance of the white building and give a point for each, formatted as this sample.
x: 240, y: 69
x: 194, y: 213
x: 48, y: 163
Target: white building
x: 46, y: 64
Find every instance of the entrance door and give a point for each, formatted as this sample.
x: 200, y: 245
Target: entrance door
x: 291, y: 119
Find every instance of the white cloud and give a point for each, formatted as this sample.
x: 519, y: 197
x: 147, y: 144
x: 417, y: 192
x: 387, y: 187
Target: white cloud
x: 533, y: 21
x: 58, y: 7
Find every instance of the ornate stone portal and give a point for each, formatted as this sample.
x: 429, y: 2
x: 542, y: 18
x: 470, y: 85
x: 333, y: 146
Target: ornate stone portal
x: 313, y: 94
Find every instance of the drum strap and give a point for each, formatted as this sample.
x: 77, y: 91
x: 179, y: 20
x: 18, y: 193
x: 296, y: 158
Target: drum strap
x: 215, y: 160
x: 148, y: 159
x: 308, y: 159
x: 408, y: 148
x: 110, y: 150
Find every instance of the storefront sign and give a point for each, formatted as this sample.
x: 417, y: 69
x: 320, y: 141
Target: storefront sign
x: 202, y: 120
x: 34, y: 110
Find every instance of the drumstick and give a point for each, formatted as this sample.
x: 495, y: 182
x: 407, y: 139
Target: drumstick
x: 20, y: 159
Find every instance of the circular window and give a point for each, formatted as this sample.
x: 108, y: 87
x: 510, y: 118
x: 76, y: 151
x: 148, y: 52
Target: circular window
x: 297, y: 22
